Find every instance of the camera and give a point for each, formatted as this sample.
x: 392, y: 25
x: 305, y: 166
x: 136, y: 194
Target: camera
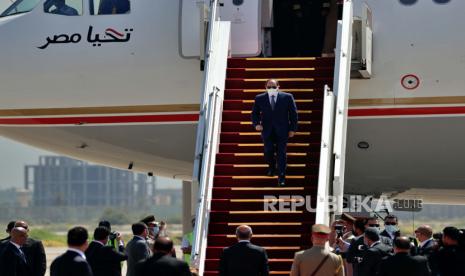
x: 339, y: 230
x: 113, y: 235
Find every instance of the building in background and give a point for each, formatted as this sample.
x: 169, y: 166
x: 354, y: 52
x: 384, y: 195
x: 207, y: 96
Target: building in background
x: 62, y: 181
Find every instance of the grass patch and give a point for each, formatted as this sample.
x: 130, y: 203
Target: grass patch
x: 49, y: 239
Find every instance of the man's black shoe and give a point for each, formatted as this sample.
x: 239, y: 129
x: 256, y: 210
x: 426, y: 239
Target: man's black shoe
x: 281, y: 181
x: 270, y: 172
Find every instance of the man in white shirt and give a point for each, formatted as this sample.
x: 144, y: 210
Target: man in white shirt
x: 12, y: 259
x: 424, y: 235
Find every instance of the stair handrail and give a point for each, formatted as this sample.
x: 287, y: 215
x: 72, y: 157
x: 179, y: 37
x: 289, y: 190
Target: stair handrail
x: 209, y: 129
x: 326, y: 157
x: 341, y: 89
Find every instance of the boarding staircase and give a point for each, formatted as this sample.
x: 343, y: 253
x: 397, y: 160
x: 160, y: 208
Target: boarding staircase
x: 240, y: 183
x: 229, y: 165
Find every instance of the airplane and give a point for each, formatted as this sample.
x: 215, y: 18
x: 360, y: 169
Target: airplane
x: 123, y: 88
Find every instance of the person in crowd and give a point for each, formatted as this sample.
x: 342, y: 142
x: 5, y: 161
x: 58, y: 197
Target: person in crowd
x: 374, y: 222
x: 102, y: 258
x: 402, y: 263
x: 424, y: 235
x: 10, y: 226
x: 13, y: 261
x: 114, y: 239
x: 244, y: 258
x: 162, y: 263
x: 137, y: 249
x: 34, y: 251
x: 274, y: 114
x: 318, y: 260
x: 357, y: 246
x: 73, y: 262
x: 375, y: 252
x: 59, y: 7
x: 391, y: 230
x: 449, y: 260
x: 186, y: 244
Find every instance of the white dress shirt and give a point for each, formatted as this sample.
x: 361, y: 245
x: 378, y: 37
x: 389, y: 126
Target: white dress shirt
x: 275, y: 94
x: 79, y: 252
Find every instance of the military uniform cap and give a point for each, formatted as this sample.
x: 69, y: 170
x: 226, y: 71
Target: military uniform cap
x: 321, y: 229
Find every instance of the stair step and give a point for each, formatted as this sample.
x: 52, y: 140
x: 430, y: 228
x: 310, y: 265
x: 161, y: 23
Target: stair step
x: 261, y: 192
x: 304, y: 104
x: 258, y: 147
x: 274, y: 264
x: 263, y: 228
x: 250, y: 94
x: 261, y: 204
x: 259, y: 83
x: 258, y: 158
x: 231, y: 181
x: 265, y: 240
x: 254, y: 169
x: 273, y: 252
x: 246, y: 126
x: 304, y: 115
x: 236, y: 137
x: 279, y: 62
x: 280, y: 72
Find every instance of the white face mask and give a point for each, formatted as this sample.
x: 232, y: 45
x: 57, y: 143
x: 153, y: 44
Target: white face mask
x: 391, y: 228
x: 271, y: 90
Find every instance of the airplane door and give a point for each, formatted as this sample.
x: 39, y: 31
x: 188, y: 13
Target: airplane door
x: 245, y: 26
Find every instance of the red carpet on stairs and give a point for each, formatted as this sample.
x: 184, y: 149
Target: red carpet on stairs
x: 240, y: 184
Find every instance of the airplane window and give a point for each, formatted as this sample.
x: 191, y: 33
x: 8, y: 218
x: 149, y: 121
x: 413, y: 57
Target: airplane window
x: 99, y: 7
x: 16, y: 7
x: 63, y: 7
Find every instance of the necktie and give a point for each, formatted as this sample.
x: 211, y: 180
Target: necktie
x: 273, y: 102
x: 21, y: 253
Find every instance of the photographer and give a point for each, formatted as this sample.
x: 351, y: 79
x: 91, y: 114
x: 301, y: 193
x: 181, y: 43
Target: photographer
x: 114, y: 239
x: 449, y: 259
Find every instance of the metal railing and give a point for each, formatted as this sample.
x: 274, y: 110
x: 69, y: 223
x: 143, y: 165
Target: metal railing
x: 209, y: 129
x: 326, y: 157
x: 341, y: 89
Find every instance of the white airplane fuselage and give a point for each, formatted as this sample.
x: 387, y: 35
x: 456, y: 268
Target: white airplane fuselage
x: 135, y: 98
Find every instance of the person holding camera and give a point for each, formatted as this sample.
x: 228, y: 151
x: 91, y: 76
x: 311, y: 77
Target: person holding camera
x: 114, y: 239
x: 102, y: 258
x: 449, y: 259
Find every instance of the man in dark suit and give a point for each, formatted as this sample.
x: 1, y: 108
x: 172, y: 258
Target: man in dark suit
x: 137, y: 249
x: 376, y: 251
x: 162, y: 262
x: 449, y: 260
x: 103, y: 259
x: 274, y: 113
x: 12, y: 259
x: 424, y: 235
x: 391, y: 230
x: 8, y: 229
x: 35, y: 253
x: 402, y: 263
x: 73, y: 262
x: 357, y: 246
x: 244, y: 258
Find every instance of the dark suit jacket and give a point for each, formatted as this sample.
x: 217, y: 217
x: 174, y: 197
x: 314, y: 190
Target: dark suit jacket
x: 282, y: 119
x: 356, y: 250
x: 448, y: 261
x: 161, y: 264
x: 35, y: 255
x: 372, y: 259
x: 70, y: 264
x: 402, y: 264
x: 244, y: 259
x: 103, y: 260
x: 12, y: 263
x: 427, y: 249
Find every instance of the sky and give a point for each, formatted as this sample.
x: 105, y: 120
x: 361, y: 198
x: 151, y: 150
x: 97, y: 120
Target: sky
x: 14, y: 156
